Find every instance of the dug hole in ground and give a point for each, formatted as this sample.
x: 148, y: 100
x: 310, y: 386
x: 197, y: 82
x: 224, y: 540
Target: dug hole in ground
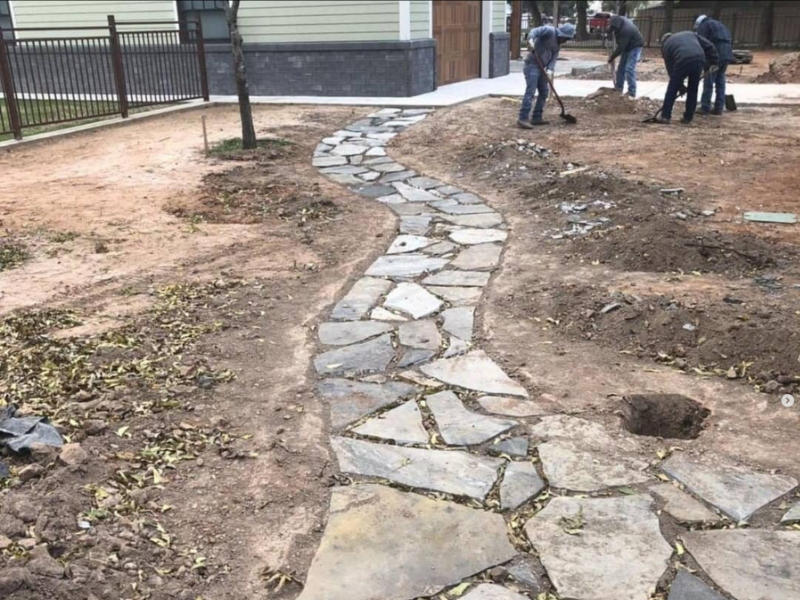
x: 159, y: 307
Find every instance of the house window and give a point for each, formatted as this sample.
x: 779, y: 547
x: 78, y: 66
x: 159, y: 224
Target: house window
x: 5, y: 19
x: 210, y: 13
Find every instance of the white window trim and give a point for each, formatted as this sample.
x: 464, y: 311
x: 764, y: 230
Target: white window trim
x: 404, y: 13
x: 11, y: 14
x: 430, y: 18
x: 486, y: 29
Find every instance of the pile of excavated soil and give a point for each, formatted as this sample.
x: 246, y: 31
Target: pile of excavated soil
x: 608, y: 101
x: 784, y: 69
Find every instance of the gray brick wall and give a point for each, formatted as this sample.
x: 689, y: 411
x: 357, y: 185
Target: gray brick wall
x: 499, y: 54
x: 328, y: 69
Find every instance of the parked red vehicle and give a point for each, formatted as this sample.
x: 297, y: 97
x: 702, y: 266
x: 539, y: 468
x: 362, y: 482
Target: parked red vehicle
x: 599, y: 21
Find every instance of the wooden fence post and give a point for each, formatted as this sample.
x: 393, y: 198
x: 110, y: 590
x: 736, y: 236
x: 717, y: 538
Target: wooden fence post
x: 119, y: 68
x: 7, y: 78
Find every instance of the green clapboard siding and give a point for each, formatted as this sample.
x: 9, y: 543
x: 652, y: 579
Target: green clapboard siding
x: 499, y: 15
x: 76, y: 13
x: 319, y: 20
x: 420, y: 19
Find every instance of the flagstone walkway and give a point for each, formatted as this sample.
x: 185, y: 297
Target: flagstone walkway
x: 455, y: 480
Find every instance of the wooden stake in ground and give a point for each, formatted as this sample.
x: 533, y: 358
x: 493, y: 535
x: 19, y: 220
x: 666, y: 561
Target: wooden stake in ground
x: 245, y: 111
x: 205, y: 134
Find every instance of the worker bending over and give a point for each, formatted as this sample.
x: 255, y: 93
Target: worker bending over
x: 544, y: 43
x: 686, y: 55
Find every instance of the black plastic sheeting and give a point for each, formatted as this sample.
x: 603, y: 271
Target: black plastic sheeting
x: 18, y: 434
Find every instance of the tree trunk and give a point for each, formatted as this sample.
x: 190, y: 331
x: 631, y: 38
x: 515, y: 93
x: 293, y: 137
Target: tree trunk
x: 580, y: 8
x: 245, y: 112
x: 767, y: 23
x: 537, y: 13
x: 516, y: 29
x: 669, y: 8
x: 622, y: 8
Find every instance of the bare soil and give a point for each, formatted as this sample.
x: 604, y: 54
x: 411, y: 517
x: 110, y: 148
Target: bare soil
x: 652, y: 66
x: 612, y: 287
x: 783, y: 69
x: 177, y: 357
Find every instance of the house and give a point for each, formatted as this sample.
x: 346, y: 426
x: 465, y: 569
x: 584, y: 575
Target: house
x: 314, y: 47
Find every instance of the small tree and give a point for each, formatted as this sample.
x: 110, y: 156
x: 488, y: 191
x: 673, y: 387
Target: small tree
x: 581, y: 6
x: 240, y: 72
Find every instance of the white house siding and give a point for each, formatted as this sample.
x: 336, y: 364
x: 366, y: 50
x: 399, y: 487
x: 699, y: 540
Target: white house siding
x: 319, y: 20
x: 498, y: 16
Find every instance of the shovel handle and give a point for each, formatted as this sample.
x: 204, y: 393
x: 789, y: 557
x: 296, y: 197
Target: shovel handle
x: 549, y: 81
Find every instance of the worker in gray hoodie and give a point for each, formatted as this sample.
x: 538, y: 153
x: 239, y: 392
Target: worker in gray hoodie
x: 629, y: 44
x: 720, y: 36
x: 544, y: 43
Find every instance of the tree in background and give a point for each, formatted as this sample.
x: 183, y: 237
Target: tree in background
x: 581, y: 7
x: 245, y: 111
x: 669, y: 13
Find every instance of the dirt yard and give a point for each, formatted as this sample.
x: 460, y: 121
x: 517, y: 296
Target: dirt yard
x: 652, y: 66
x: 156, y: 305
x: 613, y: 285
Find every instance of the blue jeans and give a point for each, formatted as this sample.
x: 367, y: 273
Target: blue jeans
x: 716, y: 80
x: 692, y: 70
x: 535, y: 81
x: 626, y: 71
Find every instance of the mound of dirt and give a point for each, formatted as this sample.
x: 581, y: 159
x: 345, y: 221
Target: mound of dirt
x: 784, y: 69
x: 608, y: 101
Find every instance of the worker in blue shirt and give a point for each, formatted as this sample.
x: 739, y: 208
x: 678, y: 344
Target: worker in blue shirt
x: 545, y: 42
x: 720, y: 36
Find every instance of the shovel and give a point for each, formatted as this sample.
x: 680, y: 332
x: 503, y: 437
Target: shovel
x: 654, y: 118
x: 568, y: 118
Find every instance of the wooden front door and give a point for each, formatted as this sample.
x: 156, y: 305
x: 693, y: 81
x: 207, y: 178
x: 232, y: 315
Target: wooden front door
x: 457, y: 30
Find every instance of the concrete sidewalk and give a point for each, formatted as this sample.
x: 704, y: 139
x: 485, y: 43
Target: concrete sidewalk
x: 513, y: 84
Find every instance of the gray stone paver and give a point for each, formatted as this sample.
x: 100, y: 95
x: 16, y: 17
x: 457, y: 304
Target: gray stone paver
x: 422, y: 334
x: 372, y: 356
x: 342, y: 333
x: 520, y: 483
x: 405, y: 265
x: 362, y: 296
x: 600, y: 548
x: 350, y: 400
x: 412, y: 299
x: 682, y: 506
x: 402, y: 424
x: 407, y: 243
x: 474, y: 371
x: 792, y: 515
x: 736, y: 490
x: 457, y: 296
x: 460, y: 426
x: 381, y: 543
x: 513, y: 446
x: 749, y: 564
x: 458, y: 278
x: 458, y: 321
x: 491, y: 591
x: 510, y: 407
x: 481, y: 256
x: 449, y: 471
x: 478, y: 236
x: 689, y: 587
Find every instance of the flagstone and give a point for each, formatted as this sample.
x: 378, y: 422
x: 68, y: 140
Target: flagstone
x: 366, y: 357
x: 460, y: 426
x: 474, y: 371
x: 412, y: 299
x: 342, y: 333
x: 477, y: 236
x: 350, y: 400
x: 402, y: 424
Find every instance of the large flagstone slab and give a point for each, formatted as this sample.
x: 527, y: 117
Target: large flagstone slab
x: 460, y: 426
x: 402, y: 424
x: 415, y: 224
x: 383, y: 544
x: 735, y: 490
x: 342, y: 333
x: 600, y: 548
x: 492, y: 219
x: 689, y: 587
x: 414, y: 194
x: 421, y: 334
x: 477, y: 236
x: 572, y: 466
x: 405, y: 266
x: 350, y: 400
x: 412, y: 299
x: 361, y: 297
x: 453, y: 472
x: 749, y: 564
x: 474, y: 371
x: 366, y: 357
x: 457, y: 296
x: 458, y: 278
x: 408, y: 243
x: 480, y: 256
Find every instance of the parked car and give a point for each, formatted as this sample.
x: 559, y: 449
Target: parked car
x: 598, y: 22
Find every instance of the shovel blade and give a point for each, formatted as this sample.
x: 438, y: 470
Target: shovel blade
x: 569, y: 118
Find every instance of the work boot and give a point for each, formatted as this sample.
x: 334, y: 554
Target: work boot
x: 537, y: 122
x: 663, y: 121
x: 716, y: 111
x: 686, y: 121
x: 524, y: 124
